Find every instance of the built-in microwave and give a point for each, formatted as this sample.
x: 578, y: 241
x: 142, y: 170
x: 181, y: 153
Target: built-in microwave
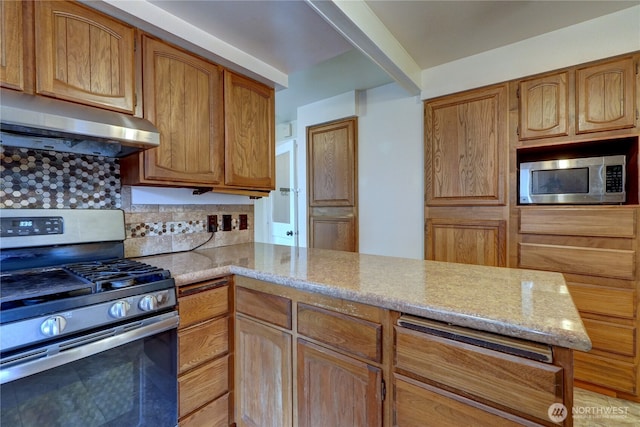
x: 590, y: 180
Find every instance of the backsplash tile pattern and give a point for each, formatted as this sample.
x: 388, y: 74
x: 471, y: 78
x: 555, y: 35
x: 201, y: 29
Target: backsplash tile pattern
x: 38, y: 179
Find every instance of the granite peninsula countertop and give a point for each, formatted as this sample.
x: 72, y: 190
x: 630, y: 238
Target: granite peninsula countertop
x: 527, y: 304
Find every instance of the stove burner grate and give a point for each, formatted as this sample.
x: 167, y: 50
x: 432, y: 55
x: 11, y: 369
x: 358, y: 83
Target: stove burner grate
x: 118, y: 273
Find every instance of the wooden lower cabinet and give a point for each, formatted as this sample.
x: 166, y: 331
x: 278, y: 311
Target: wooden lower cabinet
x: 334, y: 389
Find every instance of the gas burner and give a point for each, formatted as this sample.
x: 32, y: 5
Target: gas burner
x: 116, y: 274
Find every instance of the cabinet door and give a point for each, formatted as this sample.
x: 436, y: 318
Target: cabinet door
x: 263, y: 390
x: 605, y: 96
x: 466, y: 148
x: 335, y: 390
x: 183, y: 98
x: 11, y: 45
x: 84, y: 56
x: 544, y: 107
x: 249, y: 133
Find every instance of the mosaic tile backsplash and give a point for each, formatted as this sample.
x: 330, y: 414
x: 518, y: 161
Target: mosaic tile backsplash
x: 38, y: 179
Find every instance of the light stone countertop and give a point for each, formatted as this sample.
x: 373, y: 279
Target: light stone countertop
x: 527, y: 304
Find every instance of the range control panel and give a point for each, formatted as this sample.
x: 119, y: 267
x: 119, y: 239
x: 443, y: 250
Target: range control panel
x: 30, y: 226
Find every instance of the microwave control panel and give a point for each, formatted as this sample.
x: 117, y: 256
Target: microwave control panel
x: 614, y: 179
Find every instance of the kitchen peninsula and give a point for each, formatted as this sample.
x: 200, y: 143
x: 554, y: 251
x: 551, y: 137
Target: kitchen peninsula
x: 388, y: 340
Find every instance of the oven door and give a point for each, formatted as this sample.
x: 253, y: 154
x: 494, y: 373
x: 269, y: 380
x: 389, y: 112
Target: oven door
x: 124, y: 376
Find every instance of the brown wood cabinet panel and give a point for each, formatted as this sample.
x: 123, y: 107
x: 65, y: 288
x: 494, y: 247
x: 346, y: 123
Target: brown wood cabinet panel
x: 611, y: 337
x: 521, y: 384
x: 614, y: 263
x: 480, y: 242
x: 214, y: 414
x: 336, y: 390
x: 421, y: 405
x: 606, y: 96
x: 202, y: 306
x: 544, y: 107
x: 466, y: 148
x: 603, y: 300
x: 606, y: 372
x: 345, y: 333
x: 263, y: 375
x: 270, y: 308
x: 576, y: 221
x: 84, y: 56
x: 200, y: 343
x: 333, y: 233
x: 12, y: 45
x: 201, y: 385
x: 249, y: 110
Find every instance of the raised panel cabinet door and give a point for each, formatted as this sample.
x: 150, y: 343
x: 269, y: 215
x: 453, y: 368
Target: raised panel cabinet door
x: 84, y: 56
x: 466, y: 148
x: 335, y: 390
x: 332, y: 233
x: 481, y: 242
x: 11, y: 45
x: 543, y: 107
x: 605, y: 96
x: 249, y: 110
x: 263, y: 371
x: 183, y: 98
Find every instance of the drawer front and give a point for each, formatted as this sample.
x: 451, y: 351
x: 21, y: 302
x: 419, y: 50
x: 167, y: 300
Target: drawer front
x: 421, y: 405
x: 202, y: 385
x: 514, y: 382
x: 579, y: 222
x: 610, y: 337
x: 202, y: 342
x: 614, y: 374
x: 600, y: 300
x: 202, y: 306
x: 356, y: 336
x: 270, y: 308
x: 215, y: 414
x: 616, y: 263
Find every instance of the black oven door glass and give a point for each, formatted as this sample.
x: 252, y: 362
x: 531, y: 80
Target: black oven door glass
x: 131, y: 385
x: 560, y: 181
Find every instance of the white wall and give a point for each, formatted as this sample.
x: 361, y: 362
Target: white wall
x: 390, y: 173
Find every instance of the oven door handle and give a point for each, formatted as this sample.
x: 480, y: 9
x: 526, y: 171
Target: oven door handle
x: 34, y: 361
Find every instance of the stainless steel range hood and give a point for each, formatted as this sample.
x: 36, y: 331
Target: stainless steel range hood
x: 43, y: 123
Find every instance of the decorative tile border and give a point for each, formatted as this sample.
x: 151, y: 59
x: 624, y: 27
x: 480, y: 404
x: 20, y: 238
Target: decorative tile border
x: 170, y: 228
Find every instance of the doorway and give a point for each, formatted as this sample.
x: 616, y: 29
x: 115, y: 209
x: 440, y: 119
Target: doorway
x: 284, y: 200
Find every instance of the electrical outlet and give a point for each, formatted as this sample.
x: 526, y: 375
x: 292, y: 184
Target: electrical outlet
x: 212, y: 223
x: 226, y: 223
x: 243, y: 222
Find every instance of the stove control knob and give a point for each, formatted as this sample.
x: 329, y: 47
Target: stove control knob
x: 148, y: 303
x: 161, y: 297
x: 53, y: 326
x: 119, y: 309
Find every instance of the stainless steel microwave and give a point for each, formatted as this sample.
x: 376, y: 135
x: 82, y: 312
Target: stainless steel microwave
x: 589, y: 180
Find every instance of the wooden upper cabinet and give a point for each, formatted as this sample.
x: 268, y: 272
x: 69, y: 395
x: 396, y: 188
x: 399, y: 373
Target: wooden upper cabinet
x: 466, y: 148
x: 183, y: 98
x: 84, y: 56
x: 249, y: 133
x: 12, y: 39
x: 605, y: 96
x: 544, y: 106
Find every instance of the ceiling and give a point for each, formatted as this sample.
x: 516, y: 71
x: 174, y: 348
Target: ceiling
x: 291, y: 36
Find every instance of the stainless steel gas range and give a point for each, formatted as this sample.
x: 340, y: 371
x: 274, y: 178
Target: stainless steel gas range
x: 87, y: 337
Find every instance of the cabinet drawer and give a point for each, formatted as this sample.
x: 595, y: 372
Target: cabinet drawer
x: 202, y: 385
x: 601, y: 300
x: 421, y: 405
x: 204, y: 305
x: 616, y: 263
x: 619, y: 339
x: 579, y: 222
x: 606, y: 372
x: 521, y: 384
x: 215, y: 414
x: 357, y: 336
x: 270, y: 308
x: 202, y: 342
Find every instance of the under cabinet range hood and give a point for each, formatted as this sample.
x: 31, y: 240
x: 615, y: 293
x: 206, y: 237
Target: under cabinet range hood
x: 38, y: 122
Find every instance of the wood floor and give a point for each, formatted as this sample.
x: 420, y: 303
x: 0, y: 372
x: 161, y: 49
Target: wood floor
x: 597, y: 410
